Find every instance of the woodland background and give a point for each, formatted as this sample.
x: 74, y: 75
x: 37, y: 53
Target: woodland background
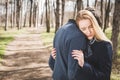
x: 49, y: 15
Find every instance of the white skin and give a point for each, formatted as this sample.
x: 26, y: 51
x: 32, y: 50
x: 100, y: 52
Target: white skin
x: 86, y: 27
x: 53, y: 53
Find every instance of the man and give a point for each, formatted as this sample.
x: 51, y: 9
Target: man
x: 67, y: 38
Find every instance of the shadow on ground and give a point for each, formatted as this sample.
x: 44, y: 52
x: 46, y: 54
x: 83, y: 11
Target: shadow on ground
x: 25, y: 59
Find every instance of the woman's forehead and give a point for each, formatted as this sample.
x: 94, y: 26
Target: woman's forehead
x: 84, y: 22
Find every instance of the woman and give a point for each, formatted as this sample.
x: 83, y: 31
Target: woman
x: 96, y: 62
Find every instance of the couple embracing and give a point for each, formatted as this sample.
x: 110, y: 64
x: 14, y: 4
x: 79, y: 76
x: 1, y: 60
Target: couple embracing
x: 81, y: 50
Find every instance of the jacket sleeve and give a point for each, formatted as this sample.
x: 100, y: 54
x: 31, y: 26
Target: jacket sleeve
x: 51, y: 62
x: 104, y: 64
x: 78, y: 43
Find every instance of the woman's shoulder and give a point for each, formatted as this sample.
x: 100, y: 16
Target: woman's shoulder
x: 103, y: 43
x: 104, y: 46
x: 104, y: 49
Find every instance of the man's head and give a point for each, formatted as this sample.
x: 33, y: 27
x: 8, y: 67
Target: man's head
x: 93, y: 11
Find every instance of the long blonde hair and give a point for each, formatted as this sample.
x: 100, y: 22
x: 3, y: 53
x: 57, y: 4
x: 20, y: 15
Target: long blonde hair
x: 99, y: 34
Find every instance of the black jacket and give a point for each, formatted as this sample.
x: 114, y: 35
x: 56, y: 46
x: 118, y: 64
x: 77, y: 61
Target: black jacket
x: 98, y: 63
x: 67, y: 38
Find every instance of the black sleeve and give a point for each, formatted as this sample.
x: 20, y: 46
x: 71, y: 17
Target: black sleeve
x: 105, y: 63
x: 78, y: 43
x: 51, y: 62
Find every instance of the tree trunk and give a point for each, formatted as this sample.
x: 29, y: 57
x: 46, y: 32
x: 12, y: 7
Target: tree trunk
x: 11, y: 15
x: 34, y: 13
x: 25, y: 16
x: 102, y: 19
x: 14, y: 20
x: 74, y: 11
x: 79, y: 5
x: 30, y: 18
x: 87, y: 3
x: 21, y: 13
x: 41, y: 21
x: 53, y: 14
x: 57, y: 21
x: 107, y: 11
x: 96, y: 1
x: 42, y: 13
x: 62, y: 16
x: 47, y: 17
x: 18, y: 18
x: 116, y: 28
x: 17, y: 14
x: 6, y: 22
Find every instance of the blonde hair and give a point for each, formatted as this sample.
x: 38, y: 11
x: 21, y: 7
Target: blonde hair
x: 99, y: 34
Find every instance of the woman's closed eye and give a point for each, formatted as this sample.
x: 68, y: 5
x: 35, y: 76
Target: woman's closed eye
x: 90, y: 26
x: 83, y: 29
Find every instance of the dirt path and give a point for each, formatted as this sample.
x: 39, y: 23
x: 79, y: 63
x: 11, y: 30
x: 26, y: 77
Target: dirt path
x: 25, y: 59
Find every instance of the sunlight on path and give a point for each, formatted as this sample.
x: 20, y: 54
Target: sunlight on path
x: 25, y: 58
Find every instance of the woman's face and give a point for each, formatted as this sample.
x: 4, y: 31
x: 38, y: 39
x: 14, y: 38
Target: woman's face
x: 86, y: 27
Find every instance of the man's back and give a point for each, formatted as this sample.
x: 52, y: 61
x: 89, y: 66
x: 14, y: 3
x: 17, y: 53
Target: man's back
x: 67, y: 39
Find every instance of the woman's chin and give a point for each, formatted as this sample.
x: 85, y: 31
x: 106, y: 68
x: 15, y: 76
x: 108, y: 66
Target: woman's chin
x: 89, y: 38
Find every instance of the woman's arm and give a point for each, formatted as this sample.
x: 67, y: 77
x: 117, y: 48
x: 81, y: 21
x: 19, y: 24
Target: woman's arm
x: 78, y: 55
x: 53, y: 53
x: 52, y: 58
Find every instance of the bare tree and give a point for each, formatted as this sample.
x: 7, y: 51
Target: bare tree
x: 37, y: 13
x: 31, y: 12
x: 47, y: 17
x: 107, y: 11
x: 6, y: 22
x: 18, y: 13
x: 101, y: 9
x: 74, y: 13
x: 116, y: 28
x: 25, y: 16
x: 79, y: 5
x: 96, y: 1
x: 57, y: 17
x: 14, y: 13
x: 35, y: 6
x: 87, y: 3
x: 62, y: 15
x: 21, y: 13
x: 53, y: 13
x: 41, y: 21
x: 11, y: 20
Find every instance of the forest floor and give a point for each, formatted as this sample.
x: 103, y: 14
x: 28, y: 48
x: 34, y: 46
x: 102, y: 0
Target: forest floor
x: 26, y: 58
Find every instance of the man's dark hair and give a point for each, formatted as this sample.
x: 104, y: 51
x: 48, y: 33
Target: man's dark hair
x: 92, y: 10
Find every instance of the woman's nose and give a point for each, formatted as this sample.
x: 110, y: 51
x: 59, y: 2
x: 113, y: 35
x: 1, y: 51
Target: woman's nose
x: 88, y: 32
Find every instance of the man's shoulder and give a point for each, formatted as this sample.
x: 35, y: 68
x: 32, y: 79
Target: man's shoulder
x: 70, y: 27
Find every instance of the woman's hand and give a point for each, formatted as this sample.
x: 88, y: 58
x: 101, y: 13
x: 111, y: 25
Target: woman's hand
x: 53, y: 53
x: 78, y: 55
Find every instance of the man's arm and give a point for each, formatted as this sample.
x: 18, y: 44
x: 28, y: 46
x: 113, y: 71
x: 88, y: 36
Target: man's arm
x: 76, y: 43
